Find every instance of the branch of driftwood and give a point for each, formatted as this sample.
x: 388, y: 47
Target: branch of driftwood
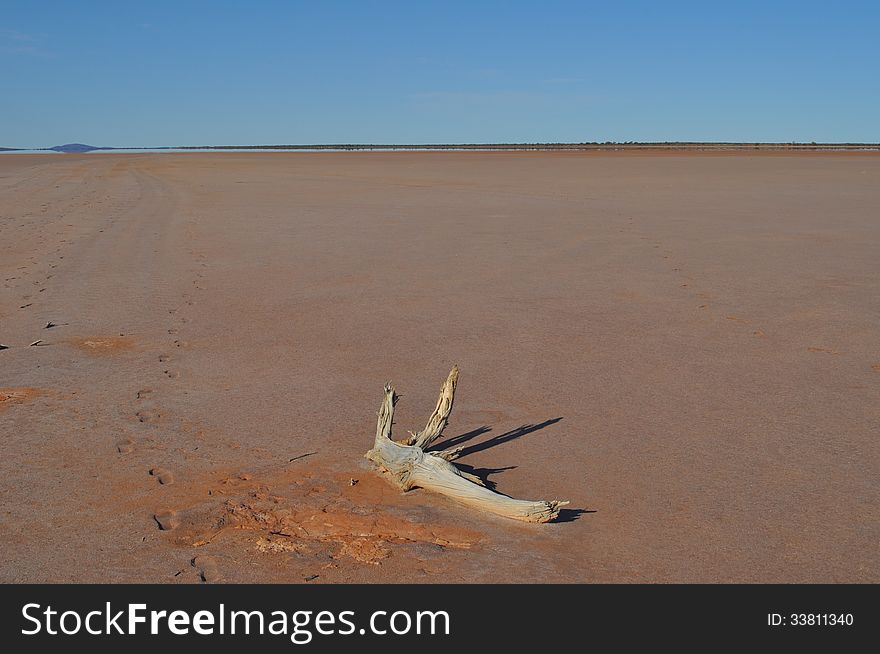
x: 410, y: 463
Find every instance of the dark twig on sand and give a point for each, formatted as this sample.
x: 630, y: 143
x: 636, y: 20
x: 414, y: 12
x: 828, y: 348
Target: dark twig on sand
x: 301, y: 456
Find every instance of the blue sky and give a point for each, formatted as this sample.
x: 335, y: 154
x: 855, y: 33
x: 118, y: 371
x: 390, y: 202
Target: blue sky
x: 190, y: 73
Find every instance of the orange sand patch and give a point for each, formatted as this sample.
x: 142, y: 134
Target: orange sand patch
x: 104, y: 345
x: 304, y: 513
x: 822, y: 349
x: 365, y: 538
x: 10, y: 396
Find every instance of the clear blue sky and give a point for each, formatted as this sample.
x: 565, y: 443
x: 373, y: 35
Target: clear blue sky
x: 148, y: 73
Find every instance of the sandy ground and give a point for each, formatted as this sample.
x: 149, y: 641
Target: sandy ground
x: 687, y: 347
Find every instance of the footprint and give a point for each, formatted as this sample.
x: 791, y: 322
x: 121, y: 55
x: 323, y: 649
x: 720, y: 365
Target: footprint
x: 125, y: 446
x: 164, y: 357
x: 167, y: 520
x: 164, y: 476
x: 759, y: 333
x: 141, y: 394
x: 208, y: 570
x: 146, y: 415
x: 172, y: 374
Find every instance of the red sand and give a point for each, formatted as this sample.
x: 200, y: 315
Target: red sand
x: 695, y: 339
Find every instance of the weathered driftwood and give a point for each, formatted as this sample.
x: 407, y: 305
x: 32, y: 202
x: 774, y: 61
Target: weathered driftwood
x: 411, y: 465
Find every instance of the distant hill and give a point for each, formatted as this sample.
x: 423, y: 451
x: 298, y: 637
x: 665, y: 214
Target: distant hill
x: 76, y: 147
x: 8, y: 149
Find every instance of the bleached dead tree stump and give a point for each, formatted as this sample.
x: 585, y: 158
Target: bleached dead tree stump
x: 410, y: 465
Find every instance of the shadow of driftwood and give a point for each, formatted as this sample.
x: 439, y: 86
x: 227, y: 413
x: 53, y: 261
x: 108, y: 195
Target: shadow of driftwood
x: 500, y: 439
x: 570, y: 515
x: 483, y: 473
x: 455, y: 441
x: 565, y: 515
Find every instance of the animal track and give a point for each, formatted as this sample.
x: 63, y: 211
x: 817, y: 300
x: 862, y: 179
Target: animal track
x: 141, y: 394
x: 164, y: 357
x: 172, y: 374
x: 167, y: 520
x: 125, y: 446
x: 208, y: 570
x: 147, y: 415
x: 164, y: 476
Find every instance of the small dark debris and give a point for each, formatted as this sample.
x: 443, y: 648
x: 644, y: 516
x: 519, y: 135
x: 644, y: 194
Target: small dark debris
x: 301, y: 456
x: 312, y: 577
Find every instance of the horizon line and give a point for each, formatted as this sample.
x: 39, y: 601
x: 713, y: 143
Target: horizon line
x: 486, y: 145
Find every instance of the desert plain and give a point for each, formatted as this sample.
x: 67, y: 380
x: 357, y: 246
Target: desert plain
x: 686, y: 346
